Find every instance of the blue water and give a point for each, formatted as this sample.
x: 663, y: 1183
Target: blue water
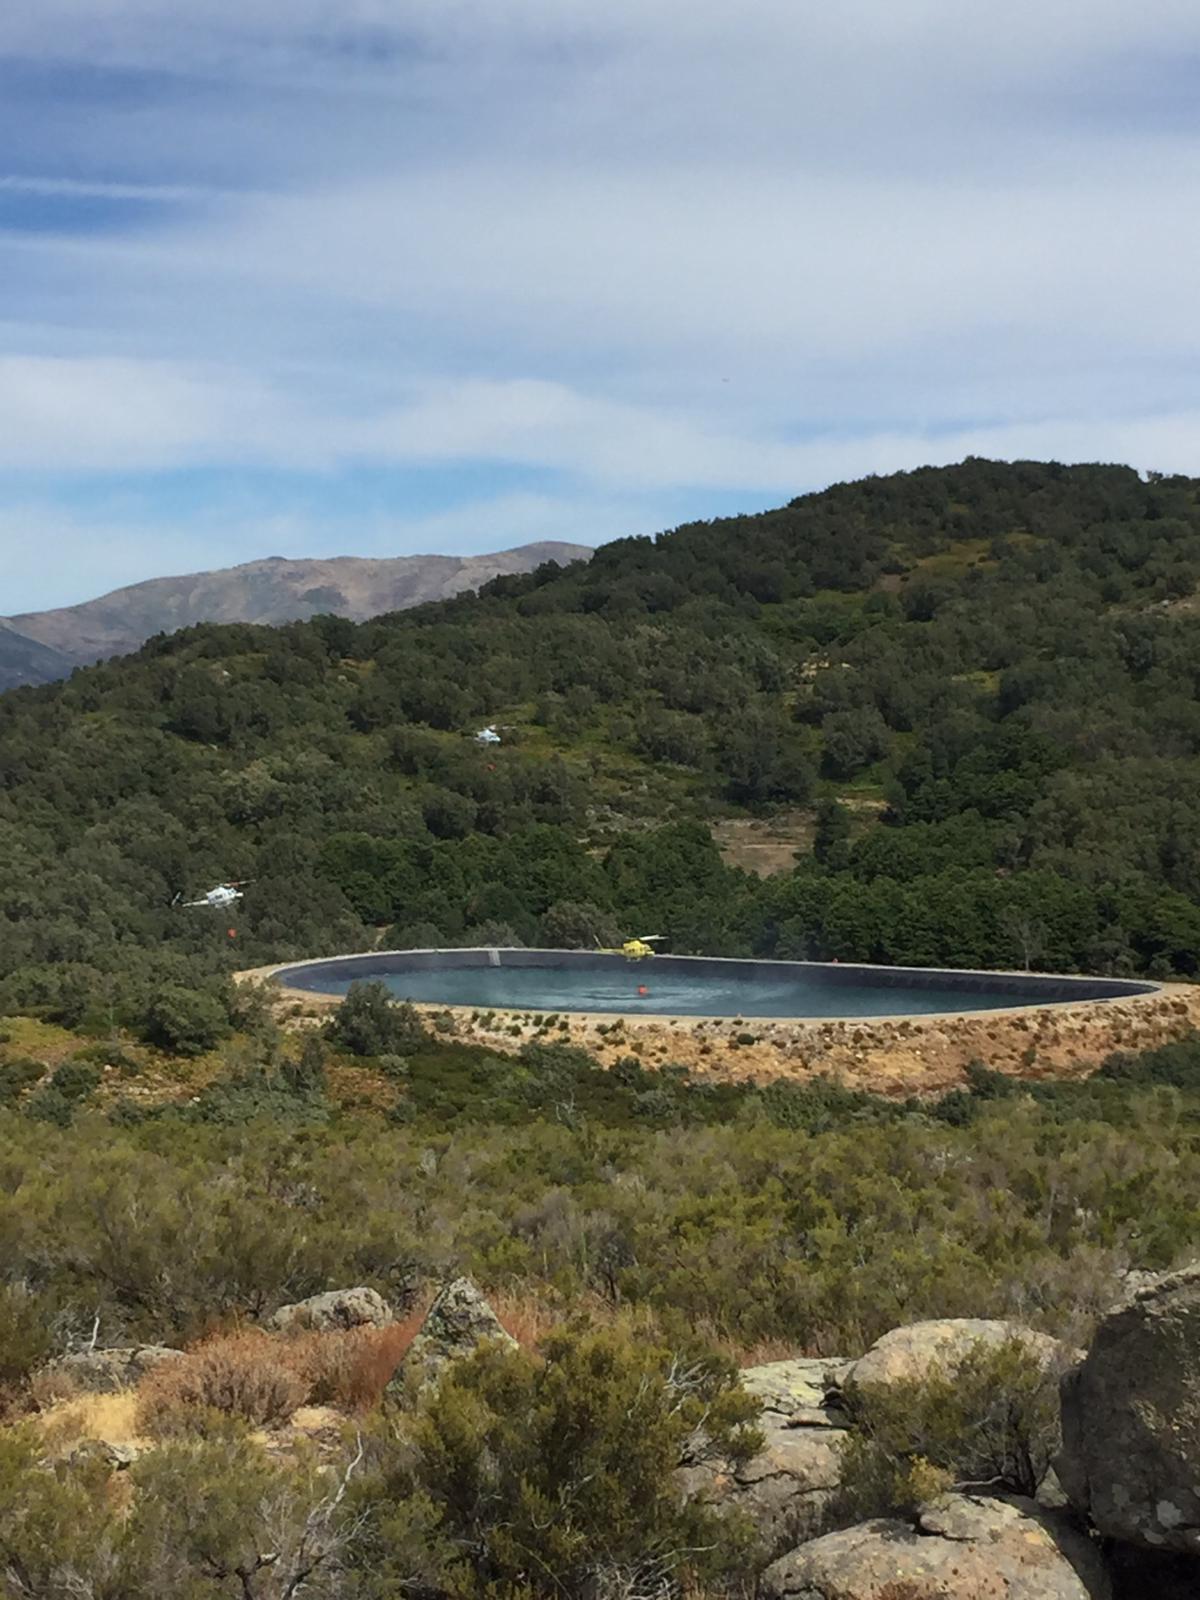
x: 664, y: 987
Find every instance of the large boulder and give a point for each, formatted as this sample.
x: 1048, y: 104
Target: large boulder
x: 459, y: 1322
x: 786, y: 1487
x: 912, y: 1353
x: 1131, y: 1420
x: 335, y: 1310
x: 962, y: 1548
x: 106, y: 1371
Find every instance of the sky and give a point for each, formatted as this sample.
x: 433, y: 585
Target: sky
x: 379, y: 277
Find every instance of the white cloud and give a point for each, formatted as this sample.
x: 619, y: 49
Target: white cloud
x: 122, y: 416
x: 639, y: 248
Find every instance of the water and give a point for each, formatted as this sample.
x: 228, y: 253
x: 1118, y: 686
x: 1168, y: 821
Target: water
x: 662, y: 986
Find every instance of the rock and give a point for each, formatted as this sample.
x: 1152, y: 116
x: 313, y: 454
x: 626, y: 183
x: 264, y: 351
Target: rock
x: 1131, y: 1420
x: 459, y: 1322
x: 962, y: 1548
x: 106, y: 1371
x: 321, y: 1429
x: 1138, y: 1573
x: 115, y: 1456
x: 908, y: 1354
x: 802, y: 1390
x: 785, y: 1489
x: 335, y: 1310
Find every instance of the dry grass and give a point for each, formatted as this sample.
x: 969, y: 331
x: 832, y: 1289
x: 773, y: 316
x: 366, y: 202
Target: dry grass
x: 264, y: 1378
x: 110, y: 1417
x: 242, y: 1375
x: 764, y: 846
x: 349, y: 1369
x: 48, y: 1388
x: 524, y: 1317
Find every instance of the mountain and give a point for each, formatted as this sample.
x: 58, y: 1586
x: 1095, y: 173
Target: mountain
x: 24, y: 661
x: 39, y: 646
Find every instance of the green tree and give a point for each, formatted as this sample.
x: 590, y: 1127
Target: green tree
x: 370, y: 1023
x: 186, y: 1021
x: 831, y: 842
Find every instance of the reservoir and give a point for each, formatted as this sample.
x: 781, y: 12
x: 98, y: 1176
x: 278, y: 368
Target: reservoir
x: 690, y: 986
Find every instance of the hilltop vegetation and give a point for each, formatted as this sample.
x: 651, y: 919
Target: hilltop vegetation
x: 980, y: 681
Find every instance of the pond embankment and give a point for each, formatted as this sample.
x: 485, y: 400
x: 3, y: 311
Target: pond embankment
x: 895, y: 1056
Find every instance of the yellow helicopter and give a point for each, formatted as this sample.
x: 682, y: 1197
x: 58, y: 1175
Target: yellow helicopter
x: 635, y: 949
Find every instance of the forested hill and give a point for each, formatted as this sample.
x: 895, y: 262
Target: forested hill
x: 973, y: 689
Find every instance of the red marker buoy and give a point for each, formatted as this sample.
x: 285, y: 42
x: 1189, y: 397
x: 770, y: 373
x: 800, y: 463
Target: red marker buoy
x: 232, y: 932
x: 642, y: 989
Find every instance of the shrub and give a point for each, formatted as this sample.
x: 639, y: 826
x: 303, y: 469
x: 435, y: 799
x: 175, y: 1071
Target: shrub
x: 556, y: 1476
x: 109, y: 1053
x: 24, y: 1338
x: 213, y: 1517
x: 351, y: 1369
x: 17, y: 1074
x: 370, y: 1023
x: 187, y: 1021
x: 75, y: 1080
x: 305, y: 1075
x: 244, y: 1375
x: 992, y: 1418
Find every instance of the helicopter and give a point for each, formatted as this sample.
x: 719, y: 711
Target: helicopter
x: 636, y: 949
x: 223, y: 895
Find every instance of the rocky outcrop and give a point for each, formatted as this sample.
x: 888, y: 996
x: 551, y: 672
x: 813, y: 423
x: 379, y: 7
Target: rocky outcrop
x: 1131, y: 1420
x: 106, y: 1371
x: 912, y: 1353
x: 962, y: 1548
x: 786, y: 1488
x: 459, y: 1322
x: 336, y: 1309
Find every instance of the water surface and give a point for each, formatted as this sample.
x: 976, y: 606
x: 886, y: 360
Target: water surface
x: 689, y: 986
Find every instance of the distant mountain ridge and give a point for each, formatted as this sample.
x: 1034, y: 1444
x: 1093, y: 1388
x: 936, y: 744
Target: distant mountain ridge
x: 39, y: 646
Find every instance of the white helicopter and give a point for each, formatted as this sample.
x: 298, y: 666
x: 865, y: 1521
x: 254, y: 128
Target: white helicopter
x: 223, y: 895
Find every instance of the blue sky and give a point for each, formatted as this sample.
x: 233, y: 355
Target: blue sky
x: 314, y: 277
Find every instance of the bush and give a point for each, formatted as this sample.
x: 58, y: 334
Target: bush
x: 186, y: 1021
x: 75, y: 1080
x: 305, y: 1075
x: 24, y: 1338
x: 349, y: 1368
x: 556, y: 1476
x: 370, y: 1023
x: 214, y: 1517
x: 991, y: 1419
x: 17, y: 1074
x: 245, y: 1375
x: 109, y: 1053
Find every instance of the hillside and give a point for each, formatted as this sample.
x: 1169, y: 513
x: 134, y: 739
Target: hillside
x: 25, y: 661
x: 272, y: 591
x: 969, y: 697
x: 974, y: 687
